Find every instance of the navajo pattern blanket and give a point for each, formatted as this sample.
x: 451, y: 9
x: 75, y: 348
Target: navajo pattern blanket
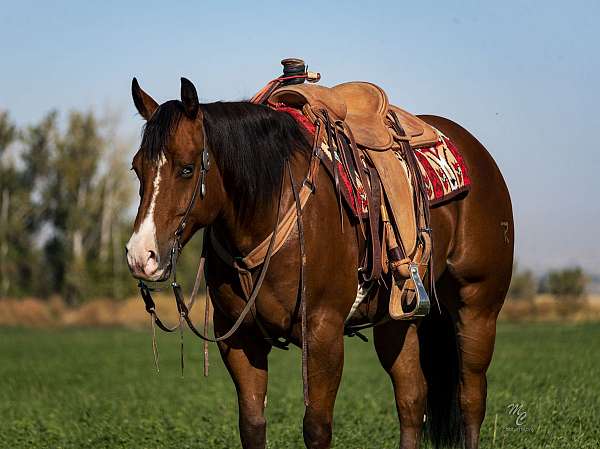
x: 444, y: 170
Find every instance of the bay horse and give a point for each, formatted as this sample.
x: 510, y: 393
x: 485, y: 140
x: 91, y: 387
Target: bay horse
x: 437, y: 365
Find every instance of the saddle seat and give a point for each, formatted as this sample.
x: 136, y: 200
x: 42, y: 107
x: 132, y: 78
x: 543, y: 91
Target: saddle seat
x: 363, y: 106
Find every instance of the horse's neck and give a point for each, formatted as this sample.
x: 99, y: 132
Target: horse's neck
x: 243, y: 236
x: 240, y: 236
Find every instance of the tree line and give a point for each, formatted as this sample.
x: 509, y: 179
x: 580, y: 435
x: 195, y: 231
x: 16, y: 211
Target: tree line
x: 568, y: 284
x: 67, y: 202
x: 66, y: 198
x: 64, y: 195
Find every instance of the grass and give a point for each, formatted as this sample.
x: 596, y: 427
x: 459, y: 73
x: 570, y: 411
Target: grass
x: 98, y: 389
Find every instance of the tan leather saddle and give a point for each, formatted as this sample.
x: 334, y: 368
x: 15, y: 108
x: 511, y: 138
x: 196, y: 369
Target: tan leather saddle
x: 365, y: 109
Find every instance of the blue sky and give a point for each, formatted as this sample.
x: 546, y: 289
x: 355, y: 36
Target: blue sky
x: 522, y: 76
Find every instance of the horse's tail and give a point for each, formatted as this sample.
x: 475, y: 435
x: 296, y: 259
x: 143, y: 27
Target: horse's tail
x: 440, y: 359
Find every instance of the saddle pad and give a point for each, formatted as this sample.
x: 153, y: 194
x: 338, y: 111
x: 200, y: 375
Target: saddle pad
x: 444, y: 170
x: 354, y: 197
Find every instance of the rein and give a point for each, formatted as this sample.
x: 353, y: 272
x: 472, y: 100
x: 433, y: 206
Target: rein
x: 259, y: 256
x: 183, y: 308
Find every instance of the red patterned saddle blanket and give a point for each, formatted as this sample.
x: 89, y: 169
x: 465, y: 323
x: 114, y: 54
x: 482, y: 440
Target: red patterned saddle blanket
x: 444, y: 170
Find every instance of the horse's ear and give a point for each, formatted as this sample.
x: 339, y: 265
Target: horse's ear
x: 189, y: 98
x: 144, y: 103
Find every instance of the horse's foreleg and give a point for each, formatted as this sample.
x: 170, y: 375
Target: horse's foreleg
x: 245, y: 357
x: 325, y: 362
x: 397, y: 345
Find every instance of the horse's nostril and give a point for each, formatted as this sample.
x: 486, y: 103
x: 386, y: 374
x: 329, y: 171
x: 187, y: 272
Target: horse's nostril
x: 151, y: 265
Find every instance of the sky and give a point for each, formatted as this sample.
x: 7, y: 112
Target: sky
x: 523, y: 77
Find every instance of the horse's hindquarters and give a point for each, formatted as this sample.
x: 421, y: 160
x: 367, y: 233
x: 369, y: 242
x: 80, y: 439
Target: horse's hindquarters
x: 474, y: 242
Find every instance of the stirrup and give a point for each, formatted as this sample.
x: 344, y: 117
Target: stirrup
x: 421, y: 309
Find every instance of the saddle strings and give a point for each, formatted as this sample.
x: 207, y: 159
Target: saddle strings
x: 302, y: 286
x: 205, y: 329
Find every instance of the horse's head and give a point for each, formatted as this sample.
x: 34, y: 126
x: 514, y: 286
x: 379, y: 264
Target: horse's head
x: 171, y: 165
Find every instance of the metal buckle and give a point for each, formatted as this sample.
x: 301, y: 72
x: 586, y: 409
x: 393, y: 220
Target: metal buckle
x: 204, y: 167
x: 205, y: 159
x: 310, y: 185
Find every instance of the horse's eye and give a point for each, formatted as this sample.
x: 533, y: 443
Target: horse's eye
x: 187, y: 171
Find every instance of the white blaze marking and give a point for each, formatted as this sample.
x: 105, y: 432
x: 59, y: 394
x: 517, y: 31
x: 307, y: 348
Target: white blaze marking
x: 144, y: 239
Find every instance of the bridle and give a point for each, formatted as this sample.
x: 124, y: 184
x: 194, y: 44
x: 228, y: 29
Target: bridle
x: 307, y: 185
x: 295, y: 71
x: 199, y: 188
x: 146, y: 291
x: 182, y: 307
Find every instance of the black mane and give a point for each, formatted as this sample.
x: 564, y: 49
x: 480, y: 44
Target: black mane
x: 250, y: 143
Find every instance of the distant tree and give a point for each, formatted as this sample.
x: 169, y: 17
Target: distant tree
x: 115, y: 194
x: 38, y: 144
x: 7, y: 182
x: 569, y: 283
x: 65, y: 209
x: 8, y: 132
x: 523, y: 285
x: 19, y: 214
x: 64, y: 198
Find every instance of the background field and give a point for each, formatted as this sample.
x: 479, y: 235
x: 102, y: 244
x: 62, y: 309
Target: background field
x: 97, y: 388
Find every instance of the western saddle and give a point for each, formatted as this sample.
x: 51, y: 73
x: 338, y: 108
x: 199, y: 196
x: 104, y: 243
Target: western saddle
x: 358, y: 116
x: 364, y: 107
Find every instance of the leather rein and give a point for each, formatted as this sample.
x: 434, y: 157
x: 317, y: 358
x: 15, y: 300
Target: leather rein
x: 184, y: 308
x: 275, y: 241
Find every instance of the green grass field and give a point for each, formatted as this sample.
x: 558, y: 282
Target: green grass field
x: 98, y: 389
